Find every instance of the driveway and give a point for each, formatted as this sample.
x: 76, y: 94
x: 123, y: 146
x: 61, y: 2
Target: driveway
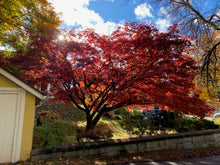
x: 213, y: 160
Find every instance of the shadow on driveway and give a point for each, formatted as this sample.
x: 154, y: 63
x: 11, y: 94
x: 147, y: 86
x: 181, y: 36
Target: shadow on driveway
x: 213, y: 160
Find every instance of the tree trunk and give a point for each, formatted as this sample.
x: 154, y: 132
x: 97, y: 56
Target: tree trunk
x: 89, y: 123
x: 97, y: 118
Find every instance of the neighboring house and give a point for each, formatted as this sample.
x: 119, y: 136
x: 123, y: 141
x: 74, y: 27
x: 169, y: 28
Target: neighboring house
x: 152, y: 108
x: 17, y: 110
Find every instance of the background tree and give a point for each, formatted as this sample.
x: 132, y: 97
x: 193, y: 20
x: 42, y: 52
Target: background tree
x: 210, y: 91
x: 200, y: 20
x: 19, y: 19
x: 135, y: 65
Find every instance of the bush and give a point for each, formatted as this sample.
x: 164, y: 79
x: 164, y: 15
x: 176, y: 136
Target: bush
x: 101, y: 131
x: 205, y: 124
x: 136, y: 114
x: 67, y: 112
x: 44, y: 115
x: 217, y: 122
x: 193, y: 124
x: 161, y: 118
x: 168, y: 120
x: 134, y: 123
x: 53, y: 133
x: 122, y: 112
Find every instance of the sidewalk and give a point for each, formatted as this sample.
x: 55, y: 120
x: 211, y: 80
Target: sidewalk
x: 213, y: 160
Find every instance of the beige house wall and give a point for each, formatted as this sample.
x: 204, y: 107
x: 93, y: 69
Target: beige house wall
x: 28, y: 123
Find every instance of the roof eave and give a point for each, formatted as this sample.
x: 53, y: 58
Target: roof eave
x: 22, y: 84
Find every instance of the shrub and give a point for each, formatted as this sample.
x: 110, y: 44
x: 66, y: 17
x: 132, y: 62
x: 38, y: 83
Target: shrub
x: 101, y: 131
x: 205, y: 124
x: 53, y: 133
x: 129, y: 119
x: 44, y: 115
x: 136, y: 114
x: 217, y: 122
x: 134, y: 123
x: 122, y: 112
x: 67, y: 112
x: 162, y: 118
x: 193, y: 124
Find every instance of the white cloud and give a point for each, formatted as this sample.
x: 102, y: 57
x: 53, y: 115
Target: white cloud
x: 164, y: 11
x: 76, y: 12
x: 142, y: 11
x: 85, y: 17
x: 218, y: 12
x: 106, y: 28
x: 163, y: 24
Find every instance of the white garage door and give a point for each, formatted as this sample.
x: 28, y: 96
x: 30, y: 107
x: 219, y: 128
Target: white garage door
x: 11, y: 123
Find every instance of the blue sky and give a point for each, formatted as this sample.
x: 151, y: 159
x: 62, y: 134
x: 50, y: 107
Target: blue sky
x: 106, y: 15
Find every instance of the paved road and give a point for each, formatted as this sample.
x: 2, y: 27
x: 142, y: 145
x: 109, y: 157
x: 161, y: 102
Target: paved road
x: 214, y: 160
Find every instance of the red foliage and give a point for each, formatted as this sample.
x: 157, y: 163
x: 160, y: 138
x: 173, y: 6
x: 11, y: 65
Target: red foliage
x: 136, y: 64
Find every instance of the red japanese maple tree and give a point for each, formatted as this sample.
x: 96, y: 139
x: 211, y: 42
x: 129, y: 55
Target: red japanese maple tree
x: 135, y: 65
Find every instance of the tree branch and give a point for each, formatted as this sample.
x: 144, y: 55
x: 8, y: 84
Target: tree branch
x: 205, y: 68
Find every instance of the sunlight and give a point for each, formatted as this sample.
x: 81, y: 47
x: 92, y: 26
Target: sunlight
x: 61, y: 37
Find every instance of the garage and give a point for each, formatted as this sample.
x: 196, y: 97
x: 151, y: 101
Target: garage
x: 17, y: 110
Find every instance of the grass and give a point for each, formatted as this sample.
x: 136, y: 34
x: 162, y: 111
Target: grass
x: 118, y: 132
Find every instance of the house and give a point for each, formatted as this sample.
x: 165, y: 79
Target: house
x: 17, y: 110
